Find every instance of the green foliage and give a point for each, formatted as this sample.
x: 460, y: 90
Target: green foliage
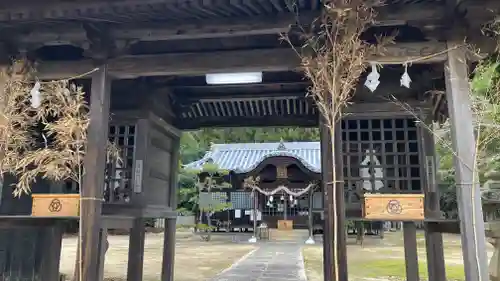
x: 485, y: 96
x: 194, y: 144
x: 187, y: 193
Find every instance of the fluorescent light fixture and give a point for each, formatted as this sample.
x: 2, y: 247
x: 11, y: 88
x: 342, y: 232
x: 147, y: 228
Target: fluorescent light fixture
x: 234, y: 78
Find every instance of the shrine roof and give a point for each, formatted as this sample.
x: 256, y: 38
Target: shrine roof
x: 244, y: 157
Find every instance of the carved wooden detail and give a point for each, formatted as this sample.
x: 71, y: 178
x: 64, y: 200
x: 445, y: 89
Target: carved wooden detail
x: 281, y: 172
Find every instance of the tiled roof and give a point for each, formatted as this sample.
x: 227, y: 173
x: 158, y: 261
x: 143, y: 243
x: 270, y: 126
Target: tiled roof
x: 243, y: 157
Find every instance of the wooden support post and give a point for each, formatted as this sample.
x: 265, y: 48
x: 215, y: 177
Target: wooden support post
x: 329, y: 187
x: 464, y: 144
x: 411, y: 251
x: 136, y: 251
x: 436, y: 267
x: 360, y: 232
x: 93, y: 179
x: 255, y: 197
x: 285, y: 208
x: 167, y: 273
x: 52, y: 244
x: 103, y: 248
x: 310, y: 214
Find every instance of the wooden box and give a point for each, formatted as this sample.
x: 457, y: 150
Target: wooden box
x: 56, y: 205
x: 285, y: 224
x: 394, y: 207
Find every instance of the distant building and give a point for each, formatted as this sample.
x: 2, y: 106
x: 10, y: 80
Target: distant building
x: 293, y: 165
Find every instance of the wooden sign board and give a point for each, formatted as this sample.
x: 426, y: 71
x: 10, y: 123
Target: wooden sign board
x: 394, y: 207
x: 55, y: 205
x: 285, y: 224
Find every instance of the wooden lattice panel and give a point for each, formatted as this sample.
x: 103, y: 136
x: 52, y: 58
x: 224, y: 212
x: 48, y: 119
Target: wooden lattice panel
x: 118, y: 187
x: 396, y: 207
x: 389, y: 146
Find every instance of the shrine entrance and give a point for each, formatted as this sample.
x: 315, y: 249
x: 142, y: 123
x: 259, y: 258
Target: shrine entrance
x: 149, y: 65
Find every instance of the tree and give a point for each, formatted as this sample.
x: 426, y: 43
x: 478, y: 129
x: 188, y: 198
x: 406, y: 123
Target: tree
x: 194, y: 144
x: 209, y: 179
x: 485, y: 96
x: 187, y: 192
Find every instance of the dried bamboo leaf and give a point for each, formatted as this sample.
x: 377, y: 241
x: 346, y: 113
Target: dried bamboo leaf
x: 46, y: 142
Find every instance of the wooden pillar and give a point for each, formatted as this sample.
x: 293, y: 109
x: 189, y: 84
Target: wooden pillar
x: 310, y: 214
x: 137, y: 239
x: 167, y: 273
x: 103, y: 248
x: 329, y: 187
x: 51, y: 245
x: 436, y: 267
x: 285, y: 207
x: 463, y: 142
x: 411, y: 251
x: 93, y: 179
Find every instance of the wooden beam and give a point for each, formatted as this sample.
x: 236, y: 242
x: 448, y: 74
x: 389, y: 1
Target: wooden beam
x: 179, y: 64
x: 208, y: 89
x: 249, y: 121
x: 75, y: 35
x: 387, y: 15
x: 217, y: 97
x: 284, y: 59
x: 463, y: 142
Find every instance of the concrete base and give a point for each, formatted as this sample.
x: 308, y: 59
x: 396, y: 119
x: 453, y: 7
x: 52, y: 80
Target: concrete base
x: 253, y: 239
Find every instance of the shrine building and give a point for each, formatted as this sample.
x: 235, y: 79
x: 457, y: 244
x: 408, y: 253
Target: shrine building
x: 287, y: 169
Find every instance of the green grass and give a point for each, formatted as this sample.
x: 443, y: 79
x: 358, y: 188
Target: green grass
x: 396, y: 268
x: 384, y: 259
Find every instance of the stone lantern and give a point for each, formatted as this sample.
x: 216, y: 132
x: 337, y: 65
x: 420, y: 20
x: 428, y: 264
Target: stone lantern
x: 491, y: 204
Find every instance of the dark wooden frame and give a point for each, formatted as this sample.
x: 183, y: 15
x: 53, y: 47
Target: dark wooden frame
x: 110, y: 46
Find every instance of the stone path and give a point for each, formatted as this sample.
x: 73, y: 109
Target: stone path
x: 270, y: 262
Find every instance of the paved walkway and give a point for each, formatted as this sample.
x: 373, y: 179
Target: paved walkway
x: 270, y: 262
